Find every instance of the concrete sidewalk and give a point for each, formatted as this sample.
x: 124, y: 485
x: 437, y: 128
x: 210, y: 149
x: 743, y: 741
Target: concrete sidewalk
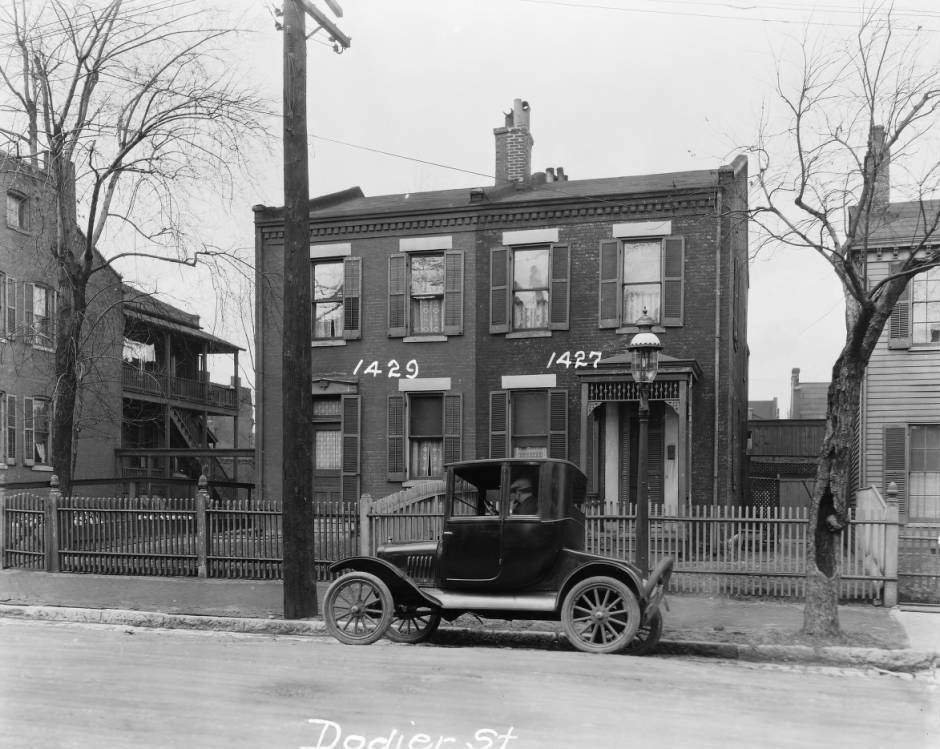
x: 694, y: 625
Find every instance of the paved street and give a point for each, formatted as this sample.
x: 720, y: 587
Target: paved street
x: 72, y: 685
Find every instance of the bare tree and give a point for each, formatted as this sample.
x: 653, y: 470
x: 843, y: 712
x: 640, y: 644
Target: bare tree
x: 821, y: 185
x: 126, y: 107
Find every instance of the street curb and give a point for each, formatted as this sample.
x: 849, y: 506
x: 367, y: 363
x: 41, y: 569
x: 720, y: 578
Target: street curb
x: 904, y: 661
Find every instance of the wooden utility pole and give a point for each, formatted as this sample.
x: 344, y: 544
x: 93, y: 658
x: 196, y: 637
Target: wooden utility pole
x: 298, y: 568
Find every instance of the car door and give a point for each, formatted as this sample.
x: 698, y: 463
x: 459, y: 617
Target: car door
x: 471, y: 553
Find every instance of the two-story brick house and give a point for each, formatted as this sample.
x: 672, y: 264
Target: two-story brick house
x: 143, y: 383
x: 494, y: 321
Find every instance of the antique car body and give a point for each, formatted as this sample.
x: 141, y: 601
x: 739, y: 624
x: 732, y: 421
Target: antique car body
x: 494, y: 562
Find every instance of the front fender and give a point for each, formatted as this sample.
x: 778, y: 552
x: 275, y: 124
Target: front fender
x: 403, y: 589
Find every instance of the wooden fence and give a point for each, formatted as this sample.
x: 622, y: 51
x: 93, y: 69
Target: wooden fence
x: 718, y: 550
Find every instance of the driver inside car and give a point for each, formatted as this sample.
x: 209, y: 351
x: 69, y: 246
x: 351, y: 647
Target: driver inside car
x: 522, y: 499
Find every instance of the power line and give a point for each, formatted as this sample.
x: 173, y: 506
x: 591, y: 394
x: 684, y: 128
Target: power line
x: 651, y: 11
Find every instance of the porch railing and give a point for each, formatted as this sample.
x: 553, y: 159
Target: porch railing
x: 179, y: 388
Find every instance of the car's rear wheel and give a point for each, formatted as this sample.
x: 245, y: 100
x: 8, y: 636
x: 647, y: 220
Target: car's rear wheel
x: 413, y: 624
x: 647, y: 636
x: 358, y: 608
x: 600, y: 615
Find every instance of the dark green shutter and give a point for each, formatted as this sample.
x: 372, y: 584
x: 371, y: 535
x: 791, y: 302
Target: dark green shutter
x: 351, y: 430
x: 499, y: 424
x: 453, y: 427
x: 895, y: 465
x: 396, y: 438
x: 673, y: 291
x: 499, y: 290
x: 608, y: 305
x: 397, y: 296
x: 453, y: 292
x: 558, y: 424
x: 559, y: 289
x: 352, y: 297
x: 899, y: 335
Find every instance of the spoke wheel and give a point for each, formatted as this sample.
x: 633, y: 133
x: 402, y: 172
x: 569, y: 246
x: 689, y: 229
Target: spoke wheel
x: 358, y: 608
x: 647, y: 636
x: 600, y: 615
x: 413, y: 624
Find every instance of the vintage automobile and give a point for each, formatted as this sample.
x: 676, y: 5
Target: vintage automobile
x: 512, y: 547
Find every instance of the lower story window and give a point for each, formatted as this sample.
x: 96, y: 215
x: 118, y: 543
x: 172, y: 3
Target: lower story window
x: 529, y: 423
x: 37, y: 436
x: 424, y: 434
x: 924, y: 488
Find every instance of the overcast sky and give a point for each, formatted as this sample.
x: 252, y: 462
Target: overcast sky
x: 616, y: 87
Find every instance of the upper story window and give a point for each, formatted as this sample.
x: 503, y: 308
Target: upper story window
x: 40, y: 316
x: 327, y: 295
x: 915, y: 320
x: 529, y: 288
x: 925, y: 307
x: 641, y: 273
x: 425, y: 294
x: 336, y: 288
x: 17, y: 211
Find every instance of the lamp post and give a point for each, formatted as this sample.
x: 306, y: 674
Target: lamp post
x: 644, y: 350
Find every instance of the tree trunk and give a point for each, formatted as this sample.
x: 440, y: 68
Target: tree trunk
x: 829, y: 511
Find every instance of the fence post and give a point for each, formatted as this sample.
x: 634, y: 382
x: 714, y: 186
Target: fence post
x: 202, y: 538
x: 51, y: 540
x: 891, y: 547
x: 365, y: 529
x: 3, y: 525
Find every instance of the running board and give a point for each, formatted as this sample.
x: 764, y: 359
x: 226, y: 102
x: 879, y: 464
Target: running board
x: 459, y: 601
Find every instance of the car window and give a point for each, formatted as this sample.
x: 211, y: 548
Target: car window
x: 472, y: 499
x: 523, y: 491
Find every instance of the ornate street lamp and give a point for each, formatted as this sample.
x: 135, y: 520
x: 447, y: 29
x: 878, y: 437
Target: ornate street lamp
x: 644, y: 351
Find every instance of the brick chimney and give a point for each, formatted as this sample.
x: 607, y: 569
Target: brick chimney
x: 514, y: 146
x: 877, y: 163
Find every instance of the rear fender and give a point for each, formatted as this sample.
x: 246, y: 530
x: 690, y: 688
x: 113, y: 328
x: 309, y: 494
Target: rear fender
x: 603, y: 569
x: 401, y: 586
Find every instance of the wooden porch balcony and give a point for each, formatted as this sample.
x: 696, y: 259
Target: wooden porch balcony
x: 161, y: 385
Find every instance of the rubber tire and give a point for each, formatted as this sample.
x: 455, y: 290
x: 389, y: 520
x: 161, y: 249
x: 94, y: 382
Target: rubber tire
x: 428, y: 615
x: 357, y: 588
x: 594, y: 593
x: 647, y: 636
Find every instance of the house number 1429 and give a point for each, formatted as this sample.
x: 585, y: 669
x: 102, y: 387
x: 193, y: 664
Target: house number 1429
x: 394, y: 369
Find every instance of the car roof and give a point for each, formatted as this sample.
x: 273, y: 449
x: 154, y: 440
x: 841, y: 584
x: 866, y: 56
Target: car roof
x: 512, y: 461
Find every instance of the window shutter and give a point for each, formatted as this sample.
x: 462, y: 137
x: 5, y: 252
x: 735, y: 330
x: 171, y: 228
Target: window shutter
x: 29, y: 294
x: 673, y: 291
x: 655, y: 463
x: 558, y: 424
x: 28, y: 432
x: 397, y: 296
x: 9, y: 311
x: 352, y: 297
x: 396, y: 438
x: 499, y: 290
x: 453, y: 427
x: 900, y: 320
x: 453, y: 292
x: 608, y: 305
x: 895, y: 465
x: 559, y: 287
x: 3, y: 307
x: 10, y: 427
x: 499, y: 423
x: 351, y: 430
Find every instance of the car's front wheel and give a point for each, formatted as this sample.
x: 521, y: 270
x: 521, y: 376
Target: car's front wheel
x: 600, y: 615
x: 358, y: 608
x: 413, y: 624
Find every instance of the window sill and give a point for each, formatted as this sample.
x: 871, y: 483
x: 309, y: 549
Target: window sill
x: 529, y: 334
x: 317, y: 343
x: 40, y: 347
x: 424, y: 339
x: 43, y: 469
x: 20, y: 229
x: 657, y: 328
x: 419, y: 482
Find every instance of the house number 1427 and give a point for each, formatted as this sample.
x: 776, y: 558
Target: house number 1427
x: 576, y: 359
